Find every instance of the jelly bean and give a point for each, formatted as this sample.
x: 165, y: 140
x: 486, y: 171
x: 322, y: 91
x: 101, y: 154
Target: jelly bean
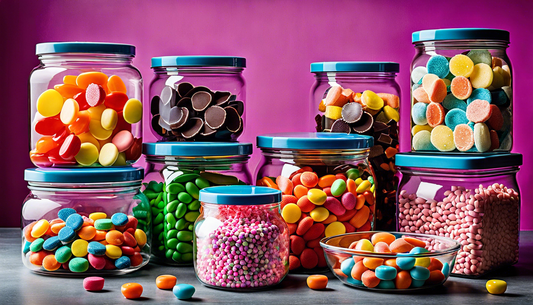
x: 360, y: 217
x: 70, y: 147
x: 123, y: 140
x: 461, y: 65
x: 309, y: 179
x: 113, y: 252
x: 481, y: 76
x: 386, y: 273
x: 403, y: 280
x: 78, y: 264
x: 87, y: 233
x: 385, y: 237
x: 140, y: 237
x: 49, y: 103
x: 314, y: 232
x: 405, y: 263
x: 334, y: 97
x: 36, y: 258
x: 183, y: 291
x: 318, y: 214
x: 63, y: 254
x: 348, y: 201
x: 40, y: 228
x: 131, y: 290
x: 108, y: 154
x: 48, y: 126
x: 50, y: 263
x: 266, y: 181
x: 372, y: 100
x: 81, y: 123
x: 372, y: 263
x: 418, y: 273
x: 326, y: 181
x: 103, y: 224
x: 114, y: 237
x: 297, y: 244
x: 165, y: 281
x: 400, y: 245
x: 364, y: 245
x: 369, y: 279
x: 365, y: 185
x: 381, y: 247
x: 97, y: 215
x: 85, y: 79
x: 317, y: 196
x: 304, y: 225
x: 37, y: 245
x: 45, y: 144
x: 496, y: 286
x: 93, y: 283
x: 442, y: 138
x: 482, y: 137
x: 392, y: 263
x: 97, y: 131
x: 334, y: 206
x: 357, y: 270
x: 435, y: 277
x: 285, y: 185
x: 309, y: 259
x: 123, y: 262
x: 435, y: 264
x: 438, y: 64
x: 435, y: 114
x: 300, y: 191
x: 338, y: 187
x: 115, y: 84
x: 347, y: 265
x: 335, y: 228
x: 69, y: 79
x: 132, y: 111
x: 331, y: 218
x: 317, y: 282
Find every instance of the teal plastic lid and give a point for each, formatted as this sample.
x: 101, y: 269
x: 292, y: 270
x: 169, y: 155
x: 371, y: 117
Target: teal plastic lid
x: 314, y: 140
x: 459, y: 34
x: 197, y: 149
x: 199, y: 61
x: 84, y: 175
x: 355, y: 66
x: 458, y: 161
x: 84, y: 47
x: 240, y: 195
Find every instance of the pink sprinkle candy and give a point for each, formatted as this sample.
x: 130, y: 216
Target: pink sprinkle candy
x: 93, y: 283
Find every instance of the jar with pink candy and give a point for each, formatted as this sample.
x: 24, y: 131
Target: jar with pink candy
x: 472, y: 199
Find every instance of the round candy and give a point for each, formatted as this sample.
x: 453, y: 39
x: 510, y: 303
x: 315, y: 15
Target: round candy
x: 97, y: 131
x: 87, y: 155
x: 119, y: 219
x: 386, y: 285
x: 438, y: 65
x: 96, y: 248
x: 455, y: 117
x: 365, y: 245
x: 69, y: 111
x: 51, y: 243
x: 317, y: 282
x: 463, y: 137
x: 437, y: 91
x: 418, y: 73
x: 372, y: 100
x: 417, y: 283
x: 318, y: 214
x: 480, y: 56
x: 183, y: 291
x: 49, y: 103
x: 103, y: 224
x: 122, y: 262
x: 461, y: 65
x: 115, y: 84
x: 482, y: 76
x: 79, y: 247
x: 133, y: 110
x: 369, y: 279
x: 78, y: 264
x: 335, y: 228
x: 93, y: 283
x: 98, y: 215
x: 478, y: 111
x: 50, y: 263
x: 291, y: 213
x: 94, y: 95
x: 165, y: 281
x: 403, y: 280
x: 420, y: 95
x: 418, y: 113
x: 461, y: 87
x: 40, y: 228
x: 422, y: 140
x: 496, y: 286
x: 113, y: 252
x: 386, y: 272
x: 63, y: 254
x: 108, y: 154
x: 141, y: 237
x: 418, y: 273
x: 479, y: 94
x: 109, y: 119
x: 347, y: 265
x: 428, y: 81
x: 442, y: 138
x: 131, y: 290
x: 390, y: 113
x: 406, y: 263
x: 451, y: 102
x: 123, y: 140
x: 74, y: 221
x: 317, y: 196
x: 37, y: 245
x: 435, y: 114
x: 63, y: 214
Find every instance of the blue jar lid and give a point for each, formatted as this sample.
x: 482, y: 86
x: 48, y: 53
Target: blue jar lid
x: 314, y: 140
x: 458, y: 161
x: 199, y: 61
x: 355, y: 66
x: 84, y: 47
x: 84, y: 175
x: 240, y: 195
x: 197, y: 149
x: 462, y: 33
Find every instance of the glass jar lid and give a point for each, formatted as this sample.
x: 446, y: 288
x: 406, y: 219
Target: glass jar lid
x: 83, y: 175
x: 458, y: 161
x: 459, y: 34
x: 199, y: 61
x: 197, y: 149
x: 314, y: 140
x: 355, y: 66
x: 240, y: 195
x: 84, y: 47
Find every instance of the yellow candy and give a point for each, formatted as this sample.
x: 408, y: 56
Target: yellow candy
x: 358, y: 181
x: 115, y: 84
x: 88, y: 154
x: 372, y: 100
x: 373, y: 188
x: 482, y: 76
x: 69, y: 79
x: 108, y: 154
x: 85, y: 79
x: 96, y: 112
x: 69, y: 111
x: 365, y: 245
x: 461, y: 65
x: 291, y: 213
x: 98, y: 215
x: 506, y: 75
x: 49, y: 103
x: 316, y: 196
x: 496, y: 286
x: 97, y: 131
x: 121, y: 160
x: 335, y: 228
x: 112, y: 251
x: 442, y: 138
x: 109, y: 119
x: 333, y: 112
x: 418, y: 128
x: 365, y: 185
x: 88, y: 138
x: 391, y: 113
x: 79, y: 247
x: 319, y: 214
x: 140, y: 237
x: 497, y: 78
x: 40, y: 228
x: 133, y: 111
x: 423, y: 262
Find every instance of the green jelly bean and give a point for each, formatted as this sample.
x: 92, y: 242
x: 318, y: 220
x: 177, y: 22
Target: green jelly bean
x: 192, y: 189
x: 353, y: 173
x: 169, y: 253
x: 151, y: 185
x: 141, y: 222
x: 161, y: 236
x: 172, y: 243
x: 184, y: 197
x: 176, y: 256
x: 165, y: 197
x: 181, y: 224
x: 191, y: 226
x: 184, y: 247
x: 63, y: 254
x: 220, y: 179
x: 103, y: 224
x: 173, y: 233
x: 155, y: 211
x: 161, y: 205
x: 338, y: 187
x: 185, y: 236
x: 78, y: 264
x: 159, y: 218
x: 185, y: 177
x: 186, y: 257
x: 192, y: 216
x: 172, y: 206
x: 150, y: 194
x: 181, y: 210
x: 170, y: 220
x: 158, y: 187
x: 159, y: 197
x: 37, y: 245
x: 175, y: 188
x: 165, y: 210
x: 158, y: 229
x: 194, y: 206
x: 201, y: 183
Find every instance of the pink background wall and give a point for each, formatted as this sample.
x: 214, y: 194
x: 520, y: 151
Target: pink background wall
x: 279, y: 40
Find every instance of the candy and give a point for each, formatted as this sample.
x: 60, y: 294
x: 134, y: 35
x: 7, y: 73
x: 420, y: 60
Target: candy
x: 109, y: 119
x: 386, y: 273
x: 438, y: 65
x: 480, y: 56
x: 463, y: 137
x: 496, y: 120
x: 183, y: 291
x: 318, y: 214
x: 482, y: 139
x: 93, y: 283
x: 69, y: 111
x: 40, y: 228
x: 419, y: 273
x: 451, y: 102
x: 482, y: 76
x: 437, y: 91
x: 496, y: 286
x: 50, y: 263
x: 461, y: 87
x: 428, y: 81
x: 418, y: 73
x: 115, y: 84
x: 461, y: 65
x: 87, y: 155
x: 480, y: 94
x: 85, y: 79
x: 131, y: 290
x: 418, y: 113
x: 420, y: 95
x: 78, y: 264
x: 391, y: 113
x: 335, y: 228
x: 108, y: 154
x: 372, y: 100
x: 442, y: 138
x: 79, y: 248
x: 317, y: 282
x: 291, y: 213
x: 478, y: 111
x: 435, y: 114
x: 95, y: 95
x: 49, y: 103
x: 455, y: 117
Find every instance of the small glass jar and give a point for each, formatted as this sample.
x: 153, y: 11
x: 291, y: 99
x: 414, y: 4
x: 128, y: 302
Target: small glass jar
x: 363, y: 98
x: 472, y: 199
x: 85, y: 221
x: 197, y: 98
x: 461, y: 91
x: 85, y: 105
x: 241, y: 241
x: 175, y: 173
x: 328, y: 188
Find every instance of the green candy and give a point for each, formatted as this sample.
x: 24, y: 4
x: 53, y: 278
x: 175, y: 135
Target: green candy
x: 220, y: 179
x: 352, y: 173
x: 159, y: 218
x: 184, y: 247
x: 181, y: 210
x: 184, y: 197
x: 78, y: 264
x: 161, y: 248
x: 201, y: 183
x: 103, y: 224
x: 161, y: 236
x: 159, y: 197
x: 172, y: 243
x: 176, y: 256
x: 171, y: 221
x: 185, y: 236
x: 371, y: 179
x: 192, y: 189
x: 150, y: 194
x: 37, y: 245
x: 63, y: 254
x: 191, y: 226
x: 172, y: 206
x: 185, y: 177
x: 175, y: 188
x: 186, y: 257
x: 155, y: 211
x: 172, y: 233
x: 140, y: 214
x: 192, y: 216
x: 169, y: 253
x: 194, y: 206
x: 161, y: 205
x: 158, y: 187
x: 338, y: 187
x: 158, y: 229
x: 181, y: 224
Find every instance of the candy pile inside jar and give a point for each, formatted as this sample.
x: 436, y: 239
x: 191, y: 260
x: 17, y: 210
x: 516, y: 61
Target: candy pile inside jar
x: 316, y: 206
x: 462, y: 103
x: 86, y: 121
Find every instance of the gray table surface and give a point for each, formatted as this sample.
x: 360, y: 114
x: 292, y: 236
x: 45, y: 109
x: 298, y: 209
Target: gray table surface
x: 18, y: 285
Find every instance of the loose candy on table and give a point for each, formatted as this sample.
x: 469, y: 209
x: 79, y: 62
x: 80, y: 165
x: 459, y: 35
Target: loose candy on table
x: 93, y: 283
x: 131, y: 290
x: 183, y: 291
x: 317, y: 282
x: 496, y: 286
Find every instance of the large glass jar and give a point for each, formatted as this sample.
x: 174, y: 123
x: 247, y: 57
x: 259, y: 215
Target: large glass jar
x: 85, y: 105
x: 175, y: 174
x: 85, y: 221
x: 363, y: 98
x: 241, y: 241
x: 197, y: 98
x: 461, y: 91
x: 473, y: 199
x: 328, y: 188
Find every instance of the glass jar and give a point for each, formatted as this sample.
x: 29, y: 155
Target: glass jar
x: 85, y: 105
x: 461, y: 91
x: 175, y: 173
x: 472, y: 199
x: 373, y: 88
x: 85, y: 221
x: 241, y: 241
x: 197, y: 98
x: 328, y: 188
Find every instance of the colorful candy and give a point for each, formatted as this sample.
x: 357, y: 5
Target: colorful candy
x: 317, y: 282
x: 93, y: 283
x: 165, y: 281
x: 131, y: 290
x: 183, y: 291
x: 496, y: 286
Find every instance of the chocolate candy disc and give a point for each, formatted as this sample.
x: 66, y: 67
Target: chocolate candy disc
x: 352, y: 112
x: 168, y: 96
x: 154, y: 105
x: 233, y: 119
x: 201, y: 100
x: 196, y: 89
x: 207, y: 131
x: 340, y: 126
x: 215, y: 116
x: 364, y: 124
x: 196, y: 126
x: 238, y: 105
x: 185, y: 102
x: 183, y: 88
x: 221, y: 97
x: 183, y: 118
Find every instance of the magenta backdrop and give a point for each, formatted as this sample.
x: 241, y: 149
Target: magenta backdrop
x: 279, y: 40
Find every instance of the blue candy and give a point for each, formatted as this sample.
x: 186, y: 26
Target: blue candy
x: 418, y: 113
x: 455, y: 117
x: 386, y: 285
x: 123, y: 262
x: 63, y: 214
x: 96, y: 248
x: 480, y: 94
x: 438, y: 65
x: 451, y: 102
x: 418, y: 250
x: 119, y: 219
x: 419, y: 273
x: 406, y: 263
x: 347, y: 265
x: 26, y: 248
x: 52, y: 243
x: 499, y: 97
x: 386, y: 272
x: 183, y: 291
x: 417, y: 283
x: 74, y: 221
x: 446, y: 270
x: 66, y: 234
x: 355, y: 282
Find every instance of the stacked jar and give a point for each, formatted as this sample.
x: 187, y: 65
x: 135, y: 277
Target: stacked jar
x: 85, y: 114
x: 363, y: 98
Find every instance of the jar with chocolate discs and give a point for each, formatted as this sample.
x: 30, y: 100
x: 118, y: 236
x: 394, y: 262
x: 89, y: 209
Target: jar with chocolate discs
x: 358, y: 97
x: 197, y: 98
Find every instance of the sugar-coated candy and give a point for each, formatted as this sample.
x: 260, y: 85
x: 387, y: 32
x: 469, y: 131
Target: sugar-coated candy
x: 435, y: 114
x: 463, y: 137
x: 386, y: 273
x: 428, y: 80
x: 183, y: 291
x: 78, y: 264
x: 418, y: 73
x: 123, y: 262
x: 480, y: 94
x: 50, y: 263
x: 461, y: 65
x: 166, y: 281
x: 131, y: 290
x: 461, y: 87
x: 437, y: 91
x: 496, y: 286
x: 317, y: 282
x: 438, y: 65
x: 418, y: 113
x: 455, y: 117
x: 442, y: 138
x: 480, y: 56
x: 451, y: 102
x: 482, y: 137
x: 482, y: 76
x: 93, y: 283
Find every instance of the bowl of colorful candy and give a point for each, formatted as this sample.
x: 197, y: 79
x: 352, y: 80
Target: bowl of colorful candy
x: 390, y: 261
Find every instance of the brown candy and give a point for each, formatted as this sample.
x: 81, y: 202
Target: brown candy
x: 215, y: 117
x: 197, y: 124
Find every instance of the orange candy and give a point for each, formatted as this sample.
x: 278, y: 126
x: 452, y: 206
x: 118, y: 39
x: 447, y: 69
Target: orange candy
x: 45, y: 144
x: 50, y: 263
x: 392, y: 263
x: 435, y: 277
x: 463, y: 137
x: 309, y: 179
x: 478, y: 111
x: 266, y: 181
x: 286, y: 199
x: 437, y: 91
x: 435, y: 114
x: 300, y: 191
x: 131, y: 290
x: 114, y: 237
x: 351, y: 186
x: 381, y: 247
x: 347, y: 216
x: 67, y: 90
x: 115, y: 84
x: 166, y: 281
x: 305, y: 205
x: 296, y: 179
x: 360, y: 217
x: 415, y: 242
x: 400, y: 246
x: 85, y: 79
x: 385, y: 237
x: 326, y: 180
x: 317, y: 281
x: 87, y: 233
x: 360, y: 201
x: 461, y: 87
x: 390, y: 99
x: 100, y: 235
x: 370, y: 279
x: 81, y: 124
x: 372, y: 263
x: 36, y: 258
x: 369, y: 197
x: 357, y: 270
x: 331, y: 218
x: 421, y: 95
x: 403, y: 280
x: 56, y: 227
x: 284, y: 185
x: 294, y: 262
x: 435, y: 264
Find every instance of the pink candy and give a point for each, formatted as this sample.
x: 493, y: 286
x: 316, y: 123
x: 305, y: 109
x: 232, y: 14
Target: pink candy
x: 93, y: 283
